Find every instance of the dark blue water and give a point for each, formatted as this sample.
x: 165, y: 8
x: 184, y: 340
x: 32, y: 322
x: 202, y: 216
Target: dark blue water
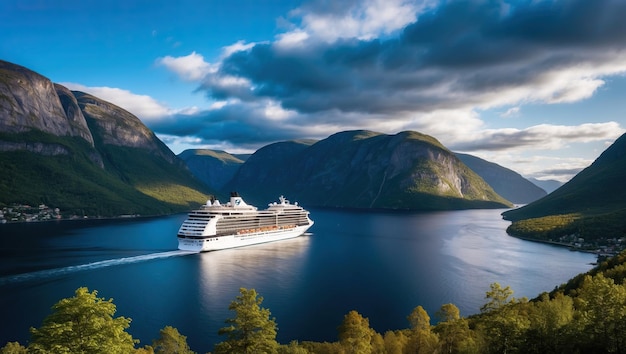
x: 381, y: 264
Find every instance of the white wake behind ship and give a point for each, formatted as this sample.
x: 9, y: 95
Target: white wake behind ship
x: 216, y: 226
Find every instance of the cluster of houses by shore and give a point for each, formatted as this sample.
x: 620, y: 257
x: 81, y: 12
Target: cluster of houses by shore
x: 27, y: 213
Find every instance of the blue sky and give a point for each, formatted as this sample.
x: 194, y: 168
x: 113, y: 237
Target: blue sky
x: 534, y: 85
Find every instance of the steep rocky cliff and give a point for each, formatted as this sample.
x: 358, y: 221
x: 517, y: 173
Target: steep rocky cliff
x: 83, y: 155
x: 30, y: 101
x: 115, y: 126
x: 73, y: 113
x: 364, y: 169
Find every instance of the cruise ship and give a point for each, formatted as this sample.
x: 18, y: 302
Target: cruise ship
x: 218, y: 226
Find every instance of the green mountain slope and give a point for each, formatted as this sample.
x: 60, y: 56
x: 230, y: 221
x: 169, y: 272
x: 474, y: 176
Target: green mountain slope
x: 84, y: 155
x: 364, y: 169
x: 214, y: 168
x: 591, y: 205
x: 507, y: 183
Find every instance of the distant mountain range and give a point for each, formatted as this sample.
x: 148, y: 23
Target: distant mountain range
x: 216, y: 168
x: 548, y: 185
x: 509, y: 184
x: 81, y: 154
x: 363, y: 169
x: 74, y: 151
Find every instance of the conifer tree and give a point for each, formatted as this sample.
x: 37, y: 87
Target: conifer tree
x: 251, y: 330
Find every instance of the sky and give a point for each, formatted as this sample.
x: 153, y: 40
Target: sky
x: 537, y: 86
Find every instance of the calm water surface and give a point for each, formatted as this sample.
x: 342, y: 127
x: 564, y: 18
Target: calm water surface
x: 381, y: 264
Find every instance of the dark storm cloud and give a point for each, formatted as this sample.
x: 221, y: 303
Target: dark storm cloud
x: 238, y: 124
x: 457, y: 55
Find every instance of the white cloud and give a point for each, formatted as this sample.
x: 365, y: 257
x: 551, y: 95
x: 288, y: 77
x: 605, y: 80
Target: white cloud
x: 511, y: 112
x: 361, y: 19
x: 236, y: 47
x: 143, y: 106
x: 191, y: 67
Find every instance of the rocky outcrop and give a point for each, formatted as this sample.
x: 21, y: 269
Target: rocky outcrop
x: 30, y: 101
x: 114, y: 125
x: 73, y: 113
x: 37, y: 148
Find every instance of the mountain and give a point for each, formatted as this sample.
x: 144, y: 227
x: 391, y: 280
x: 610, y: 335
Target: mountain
x: 84, y: 155
x: 364, y: 169
x: 507, y: 183
x: 592, y: 204
x: 213, y: 167
x: 548, y: 185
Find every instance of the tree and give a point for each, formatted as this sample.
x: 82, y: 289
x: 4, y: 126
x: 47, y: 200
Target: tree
x: 355, y: 333
x: 454, y: 333
x: 394, y: 342
x: 422, y: 340
x: 252, y: 330
x: 601, y: 319
x: 419, y: 319
x: 504, y: 320
x: 13, y: 348
x: 549, y: 321
x: 497, y: 297
x: 171, y: 342
x: 292, y: 348
x: 83, y: 324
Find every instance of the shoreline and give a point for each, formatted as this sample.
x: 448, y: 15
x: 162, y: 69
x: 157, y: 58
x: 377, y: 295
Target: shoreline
x: 567, y: 245
x: 88, y: 218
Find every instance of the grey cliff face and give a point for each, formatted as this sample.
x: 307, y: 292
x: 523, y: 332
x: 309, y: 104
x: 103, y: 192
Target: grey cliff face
x: 116, y: 126
x: 73, y: 113
x: 29, y: 101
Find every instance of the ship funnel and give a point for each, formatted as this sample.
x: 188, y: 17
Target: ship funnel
x: 237, y: 202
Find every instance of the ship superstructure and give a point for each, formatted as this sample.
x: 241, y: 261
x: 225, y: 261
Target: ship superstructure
x: 217, y: 226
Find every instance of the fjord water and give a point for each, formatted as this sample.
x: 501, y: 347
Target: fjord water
x: 381, y: 264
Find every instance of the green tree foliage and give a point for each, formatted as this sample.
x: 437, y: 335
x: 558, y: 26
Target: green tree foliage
x: 251, y: 330
x: 13, y: 348
x: 419, y: 319
x: 601, y: 315
x: 549, y: 320
x: 503, y: 323
x: 454, y: 332
x: 292, y: 348
x: 395, y: 342
x: 171, y: 342
x: 82, y: 324
x: 355, y: 334
x: 421, y: 338
x: 497, y: 296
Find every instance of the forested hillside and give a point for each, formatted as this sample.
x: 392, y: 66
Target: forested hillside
x: 590, y: 209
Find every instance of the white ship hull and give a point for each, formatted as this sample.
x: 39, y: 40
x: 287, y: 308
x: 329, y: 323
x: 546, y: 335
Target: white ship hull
x: 215, y: 243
